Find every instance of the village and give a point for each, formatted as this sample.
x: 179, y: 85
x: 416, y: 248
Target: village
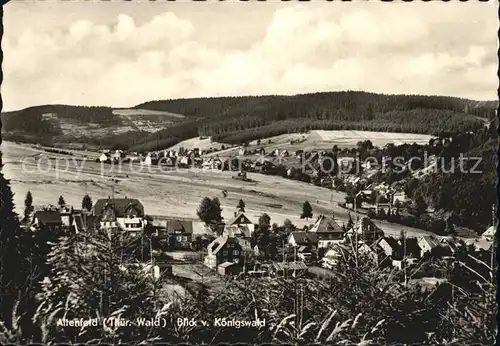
x: 237, y: 246
x: 242, y: 247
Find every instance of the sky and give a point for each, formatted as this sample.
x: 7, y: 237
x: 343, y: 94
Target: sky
x: 120, y: 53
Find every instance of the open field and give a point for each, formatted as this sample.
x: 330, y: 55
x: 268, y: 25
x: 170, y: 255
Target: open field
x: 169, y: 193
x: 325, y: 140
x: 197, y: 142
x: 135, y: 111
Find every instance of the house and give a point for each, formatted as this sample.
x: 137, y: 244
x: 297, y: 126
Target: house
x: 242, y: 233
x: 383, y: 203
x: 328, y: 231
x: 185, y: 161
x: 366, y: 230
x: 288, y: 268
x: 489, y: 234
x: 240, y: 219
x: 411, y: 248
x: 370, y: 251
x: 167, y: 161
x: 126, y: 214
x: 117, y: 155
x: 104, y: 157
x: 223, y: 249
x: 427, y: 243
x: 66, y: 215
x: 83, y: 222
x: 182, y: 233
x: 229, y: 268
x: 307, y: 254
x: 391, y: 247
x: 49, y: 220
x: 297, y: 239
x: 399, y: 196
x: 147, y: 160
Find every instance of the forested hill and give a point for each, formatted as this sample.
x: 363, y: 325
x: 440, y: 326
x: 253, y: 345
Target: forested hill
x: 239, y: 119
x: 253, y: 117
x: 323, y: 103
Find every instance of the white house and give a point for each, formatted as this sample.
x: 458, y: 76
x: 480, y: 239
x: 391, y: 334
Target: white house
x: 489, y: 234
x: 104, y: 157
x: 427, y: 243
x: 399, y: 196
x: 240, y: 219
x: 147, y: 160
x: 133, y: 225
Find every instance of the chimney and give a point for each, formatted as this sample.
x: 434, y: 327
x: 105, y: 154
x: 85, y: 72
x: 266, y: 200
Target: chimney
x: 108, y: 197
x: 125, y: 197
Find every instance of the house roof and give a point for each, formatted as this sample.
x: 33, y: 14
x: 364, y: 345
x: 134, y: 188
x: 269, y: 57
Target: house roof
x: 219, y: 243
x: 84, y: 221
x: 200, y: 228
x: 381, y: 199
x: 304, y: 238
x: 366, y: 226
x: 490, y: 232
x: 226, y: 264
x: 239, y: 218
x: 326, y: 224
x: 298, y: 265
x: 178, y: 225
x: 48, y: 217
x: 411, y: 245
x: 392, y: 242
x: 432, y: 241
x: 119, y: 205
x: 238, y: 230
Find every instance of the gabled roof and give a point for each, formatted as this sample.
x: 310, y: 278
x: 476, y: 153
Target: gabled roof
x: 178, y: 225
x: 304, y: 238
x: 84, y: 222
x: 48, y: 217
x: 366, y: 226
x: 240, y: 219
x: 490, y: 232
x: 432, y: 241
x: 326, y: 224
x: 119, y: 205
x: 280, y: 266
x: 238, y: 230
x: 411, y: 246
x: 226, y: 264
x: 220, y: 242
x: 392, y: 242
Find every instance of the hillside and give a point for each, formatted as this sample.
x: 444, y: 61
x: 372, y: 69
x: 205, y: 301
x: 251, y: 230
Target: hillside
x: 161, y: 124
x: 62, y: 123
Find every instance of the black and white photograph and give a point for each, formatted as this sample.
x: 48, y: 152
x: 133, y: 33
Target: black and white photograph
x: 280, y: 172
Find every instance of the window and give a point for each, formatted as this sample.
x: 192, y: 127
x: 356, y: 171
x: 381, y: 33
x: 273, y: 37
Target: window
x: 224, y: 253
x: 185, y: 238
x: 236, y: 260
x: 179, y: 238
x: 236, y: 252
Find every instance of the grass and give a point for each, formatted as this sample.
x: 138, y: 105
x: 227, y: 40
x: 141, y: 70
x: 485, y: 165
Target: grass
x: 175, y: 193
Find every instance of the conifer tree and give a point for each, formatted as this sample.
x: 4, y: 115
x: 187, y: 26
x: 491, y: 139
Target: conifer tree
x: 28, y: 205
x: 241, y: 205
x: 61, y: 201
x: 95, y: 275
x: 307, y: 211
x: 87, y: 202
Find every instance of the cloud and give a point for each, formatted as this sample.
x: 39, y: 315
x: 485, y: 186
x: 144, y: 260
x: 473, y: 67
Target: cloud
x: 304, y: 49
